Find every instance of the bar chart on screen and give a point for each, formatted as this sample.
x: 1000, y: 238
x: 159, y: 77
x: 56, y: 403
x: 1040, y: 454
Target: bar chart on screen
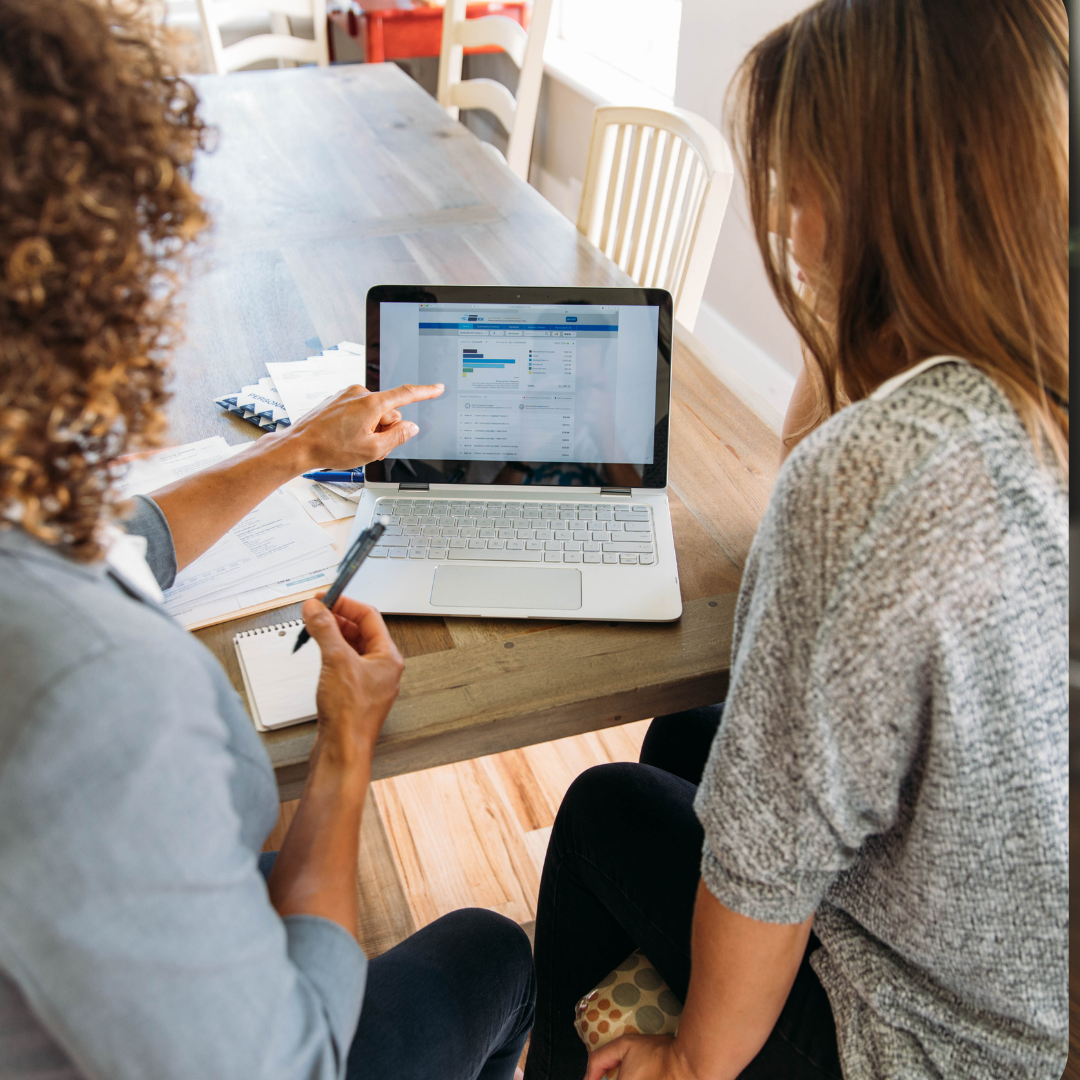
x: 492, y: 366
x: 512, y: 360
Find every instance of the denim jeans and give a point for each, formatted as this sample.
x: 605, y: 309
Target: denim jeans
x: 454, y: 1001
x: 621, y: 874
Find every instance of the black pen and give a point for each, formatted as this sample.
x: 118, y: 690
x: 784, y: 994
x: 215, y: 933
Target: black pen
x: 349, y: 565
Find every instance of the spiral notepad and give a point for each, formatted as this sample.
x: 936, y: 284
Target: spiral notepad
x: 280, y: 684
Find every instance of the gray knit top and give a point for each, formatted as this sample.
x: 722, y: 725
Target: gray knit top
x: 894, y: 749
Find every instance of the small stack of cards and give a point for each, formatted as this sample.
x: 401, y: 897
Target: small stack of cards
x: 260, y: 404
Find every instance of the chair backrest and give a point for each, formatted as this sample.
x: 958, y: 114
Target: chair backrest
x: 655, y: 191
x: 278, y: 45
x: 517, y: 116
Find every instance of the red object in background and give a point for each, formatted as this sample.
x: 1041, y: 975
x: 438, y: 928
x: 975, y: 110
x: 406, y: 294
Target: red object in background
x: 407, y: 30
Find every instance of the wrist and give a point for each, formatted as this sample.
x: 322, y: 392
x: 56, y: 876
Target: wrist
x: 678, y: 1064
x: 340, y: 748
x: 291, y: 451
x: 684, y: 1064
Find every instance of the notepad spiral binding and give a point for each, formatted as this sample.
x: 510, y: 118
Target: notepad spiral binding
x: 293, y: 624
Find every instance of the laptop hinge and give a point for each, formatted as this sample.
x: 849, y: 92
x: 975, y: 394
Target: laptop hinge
x: 615, y: 491
x: 413, y: 485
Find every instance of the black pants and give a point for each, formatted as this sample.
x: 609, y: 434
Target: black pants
x: 453, y: 1001
x: 621, y: 874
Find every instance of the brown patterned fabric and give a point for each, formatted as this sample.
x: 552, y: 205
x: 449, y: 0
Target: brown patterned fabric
x: 632, y: 999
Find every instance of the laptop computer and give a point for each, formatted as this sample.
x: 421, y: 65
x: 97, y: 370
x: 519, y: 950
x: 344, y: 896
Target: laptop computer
x: 537, y: 485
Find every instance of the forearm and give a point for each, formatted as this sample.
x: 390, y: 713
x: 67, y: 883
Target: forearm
x: 202, y: 507
x: 742, y: 972
x: 315, y: 872
x: 348, y: 430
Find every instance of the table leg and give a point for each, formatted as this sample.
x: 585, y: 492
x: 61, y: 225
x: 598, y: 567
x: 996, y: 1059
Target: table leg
x: 374, y: 46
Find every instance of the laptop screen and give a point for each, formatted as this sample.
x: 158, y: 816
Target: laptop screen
x: 537, y: 391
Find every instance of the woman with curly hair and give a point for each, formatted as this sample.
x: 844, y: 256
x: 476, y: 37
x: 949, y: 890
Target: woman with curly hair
x: 858, y: 865
x: 138, y: 936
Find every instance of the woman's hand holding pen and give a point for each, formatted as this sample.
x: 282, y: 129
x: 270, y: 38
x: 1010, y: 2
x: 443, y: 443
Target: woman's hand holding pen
x: 315, y: 872
x: 356, y: 426
x: 361, y: 672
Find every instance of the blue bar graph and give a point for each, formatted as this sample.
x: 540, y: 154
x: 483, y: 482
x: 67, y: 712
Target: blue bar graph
x: 473, y: 358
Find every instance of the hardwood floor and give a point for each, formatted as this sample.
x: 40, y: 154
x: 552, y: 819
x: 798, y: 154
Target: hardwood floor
x: 471, y: 834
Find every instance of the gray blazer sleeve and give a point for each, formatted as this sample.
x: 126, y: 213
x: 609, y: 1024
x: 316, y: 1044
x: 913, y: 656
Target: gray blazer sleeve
x: 148, y: 521
x: 132, y: 915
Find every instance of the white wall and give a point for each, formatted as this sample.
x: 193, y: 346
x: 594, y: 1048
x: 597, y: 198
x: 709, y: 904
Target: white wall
x: 715, y: 36
x: 561, y: 144
x: 740, y: 321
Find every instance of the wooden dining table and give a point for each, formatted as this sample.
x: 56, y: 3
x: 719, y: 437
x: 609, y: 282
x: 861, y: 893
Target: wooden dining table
x: 323, y: 182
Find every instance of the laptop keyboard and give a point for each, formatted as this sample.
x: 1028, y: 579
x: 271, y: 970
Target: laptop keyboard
x: 516, y: 532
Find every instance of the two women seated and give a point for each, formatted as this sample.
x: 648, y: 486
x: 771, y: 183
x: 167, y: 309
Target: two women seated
x: 855, y: 867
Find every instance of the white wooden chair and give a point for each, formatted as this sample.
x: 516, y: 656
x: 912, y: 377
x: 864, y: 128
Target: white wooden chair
x: 655, y: 191
x: 278, y: 45
x: 517, y: 116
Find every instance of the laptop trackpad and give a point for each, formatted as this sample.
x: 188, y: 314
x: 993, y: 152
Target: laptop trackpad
x: 506, y: 587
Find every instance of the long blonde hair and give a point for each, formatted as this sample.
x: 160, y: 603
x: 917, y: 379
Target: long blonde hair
x: 935, y: 134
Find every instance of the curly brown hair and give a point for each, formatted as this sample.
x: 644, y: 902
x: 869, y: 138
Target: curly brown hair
x: 97, y: 139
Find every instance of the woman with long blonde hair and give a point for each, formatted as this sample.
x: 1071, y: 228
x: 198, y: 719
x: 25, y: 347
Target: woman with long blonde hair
x: 857, y: 866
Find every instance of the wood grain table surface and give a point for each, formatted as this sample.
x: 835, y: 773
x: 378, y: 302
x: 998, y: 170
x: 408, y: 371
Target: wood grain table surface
x: 326, y: 181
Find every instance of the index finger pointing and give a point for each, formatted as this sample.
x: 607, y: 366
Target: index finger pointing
x: 405, y: 395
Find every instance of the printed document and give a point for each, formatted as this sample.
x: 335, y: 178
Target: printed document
x: 272, y: 547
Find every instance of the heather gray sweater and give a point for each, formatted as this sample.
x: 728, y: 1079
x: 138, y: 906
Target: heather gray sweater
x: 894, y: 748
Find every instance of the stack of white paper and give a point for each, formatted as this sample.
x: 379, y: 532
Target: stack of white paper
x: 324, y: 503
x: 303, y: 384
x: 274, y: 551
